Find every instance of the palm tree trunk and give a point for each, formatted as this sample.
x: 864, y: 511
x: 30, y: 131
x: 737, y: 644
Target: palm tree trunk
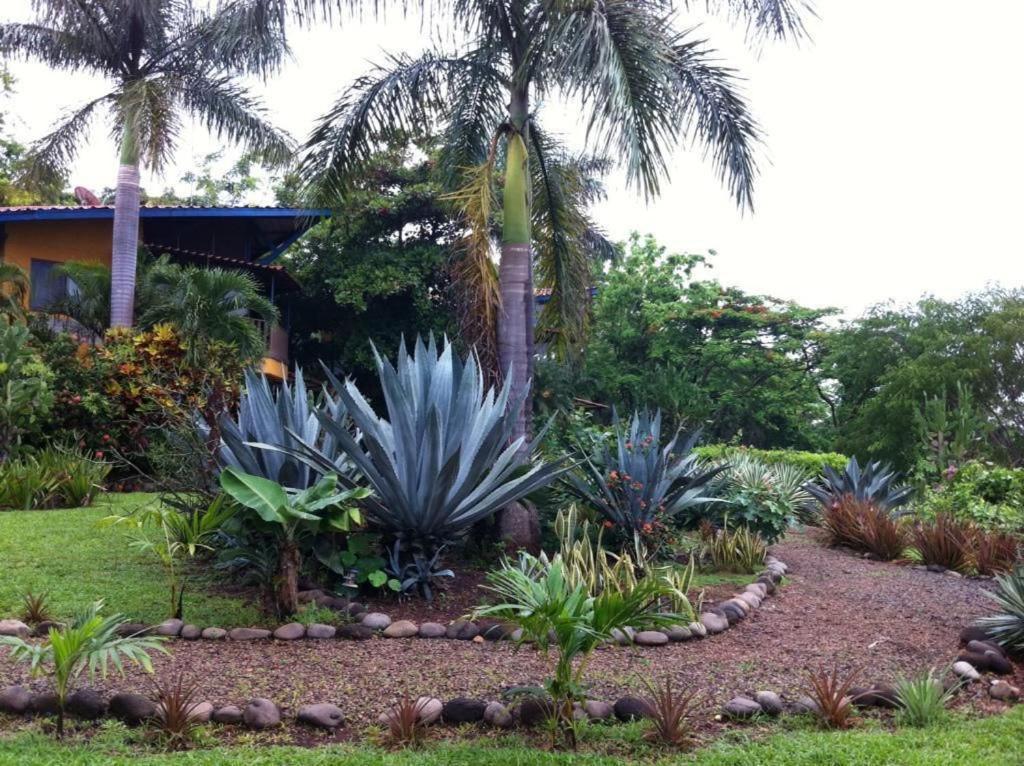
x: 126, y: 235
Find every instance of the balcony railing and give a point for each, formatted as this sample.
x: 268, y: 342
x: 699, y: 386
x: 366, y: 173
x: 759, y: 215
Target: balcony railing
x: 275, y: 339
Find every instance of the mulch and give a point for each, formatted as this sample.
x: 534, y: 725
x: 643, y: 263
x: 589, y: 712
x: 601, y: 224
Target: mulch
x: 881, y: 619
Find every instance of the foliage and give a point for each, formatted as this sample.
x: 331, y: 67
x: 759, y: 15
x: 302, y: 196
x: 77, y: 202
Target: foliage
x: 734, y: 550
x: 14, y: 290
x: 421, y: 574
x: 585, y: 560
x: 172, y: 537
x: 831, y: 692
x: 950, y: 435
x: 90, y: 643
x: 314, y: 614
x: 361, y: 561
x: 1006, y: 626
x: 405, y: 720
x: 943, y: 542
x: 55, y: 477
x: 26, y: 392
x: 994, y: 552
x: 536, y: 596
x: 670, y: 713
x: 442, y: 460
x: 291, y: 516
x: 36, y: 609
x: 875, y: 484
x: 923, y: 700
x: 763, y: 497
x: 809, y: 462
x: 864, y: 526
x: 177, y: 719
x: 989, y: 496
x: 640, y: 486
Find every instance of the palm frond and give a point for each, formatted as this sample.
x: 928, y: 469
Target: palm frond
x: 51, y: 157
x: 58, y: 48
x: 145, y: 112
x: 779, y: 19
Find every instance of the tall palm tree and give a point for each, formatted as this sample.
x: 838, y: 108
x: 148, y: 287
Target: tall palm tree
x: 164, y: 60
x: 642, y: 86
x: 13, y: 292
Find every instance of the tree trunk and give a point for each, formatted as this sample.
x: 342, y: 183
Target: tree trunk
x: 288, y: 580
x: 126, y: 236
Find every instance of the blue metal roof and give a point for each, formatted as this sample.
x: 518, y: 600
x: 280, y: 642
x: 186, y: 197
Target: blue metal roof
x: 68, y: 213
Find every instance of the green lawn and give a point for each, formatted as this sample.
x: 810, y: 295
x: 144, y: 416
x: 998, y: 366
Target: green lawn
x: 996, y: 741
x: 68, y: 554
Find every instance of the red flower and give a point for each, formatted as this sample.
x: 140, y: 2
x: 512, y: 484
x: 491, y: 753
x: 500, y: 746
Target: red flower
x: 98, y: 454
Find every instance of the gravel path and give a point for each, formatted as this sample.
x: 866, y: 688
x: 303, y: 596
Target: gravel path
x: 885, y: 619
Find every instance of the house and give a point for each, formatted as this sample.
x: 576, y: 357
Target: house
x: 246, y: 238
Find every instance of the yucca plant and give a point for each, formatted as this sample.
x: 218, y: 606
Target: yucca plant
x: 922, y: 700
x: 875, y: 483
x: 443, y: 458
x: 90, y: 644
x: 670, y: 713
x: 587, y: 562
x: 1007, y: 625
x: 537, y: 596
x: 637, y: 484
x: 735, y: 550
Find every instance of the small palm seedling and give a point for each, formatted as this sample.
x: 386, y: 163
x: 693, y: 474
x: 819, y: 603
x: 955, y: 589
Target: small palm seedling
x: 177, y: 712
x: 923, y: 699
x: 36, y: 608
x: 89, y: 644
x: 670, y: 712
x: 830, y: 691
x: 405, y: 720
x: 1007, y: 625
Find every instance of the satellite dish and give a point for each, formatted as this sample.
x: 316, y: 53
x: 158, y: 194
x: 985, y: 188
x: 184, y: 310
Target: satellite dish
x: 86, y: 198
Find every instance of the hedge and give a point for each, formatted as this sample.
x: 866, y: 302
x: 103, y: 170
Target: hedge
x: 809, y: 461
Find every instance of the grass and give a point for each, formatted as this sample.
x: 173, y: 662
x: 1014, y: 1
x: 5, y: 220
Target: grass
x: 995, y: 741
x: 69, y: 555
x: 711, y: 579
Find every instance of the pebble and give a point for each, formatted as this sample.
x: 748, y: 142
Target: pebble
x: 321, y: 716
x: 401, y: 629
x: 290, y: 632
x: 966, y: 671
x: 650, y: 638
x: 770, y: 702
x: 741, y: 707
x: 375, y: 620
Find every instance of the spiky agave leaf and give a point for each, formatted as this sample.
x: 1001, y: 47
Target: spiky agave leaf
x: 1007, y: 625
x: 875, y: 483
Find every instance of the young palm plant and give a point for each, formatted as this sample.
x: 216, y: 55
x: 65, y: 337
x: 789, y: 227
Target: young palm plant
x: 162, y: 60
x: 89, y: 644
x: 536, y: 595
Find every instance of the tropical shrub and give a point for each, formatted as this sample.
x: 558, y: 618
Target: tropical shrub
x: 766, y: 498
x: 289, y: 517
x: 831, y: 692
x: 812, y: 463
x: 863, y: 526
x: 585, y: 559
x: 994, y: 552
x: 442, y: 459
x: 536, y: 596
x: 1006, y: 626
x: 670, y: 713
x: 733, y: 550
x: 989, y: 496
x: 875, y: 484
x: 26, y: 392
x: 177, y: 718
x: 943, y: 542
x: 56, y: 477
x: 640, y: 486
x: 922, y: 700
x: 89, y: 643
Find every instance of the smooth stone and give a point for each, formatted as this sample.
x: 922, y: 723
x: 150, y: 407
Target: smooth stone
x: 126, y: 629
x: 42, y: 629
x: 988, y: 661
x: 375, y: 620
x: 770, y: 702
x: 651, y: 638
x: 966, y: 671
x: 191, y: 632
x: 534, y: 711
x: 492, y: 630
x: 214, y: 634
x: 750, y: 598
x: 741, y: 707
x: 678, y: 633
x: 16, y: 700
x: 1004, y: 692
x: 261, y: 713
x: 432, y: 630
x: 805, y: 705
x: 697, y: 629
x: 321, y: 716
x: 713, y: 623
x: 516, y: 635
x: 768, y: 583
x: 15, y: 628
x: 463, y: 710
x: 430, y: 709
x: 985, y: 646
x: 463, y: 630
x: 631, y: 709
x: 598, y: 710
x: 202, y: 713
x: 320, y: 631
x: 974, y: 633
x: 87, y: 704
x: 354, y: 609
x: 498, y: 715
x: 622, y: 637
x: 758, y: 589
x: 131, y: 708
x: 875, y: 696
x: 169, y: 628
x: 229, y: 714
x: 355, y: 632
x: 401, y: 629
x: 290, y: 632
x: 44, y: 703
x: 744, y: 606
x: 248, y: 634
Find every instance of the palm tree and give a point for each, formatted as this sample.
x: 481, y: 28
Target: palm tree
x: 642, y: 87
x: 13, y: 292
x: 164, y: 60
x: 207, y: 304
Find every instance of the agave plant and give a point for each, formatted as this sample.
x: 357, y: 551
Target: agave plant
x: 1007, y: 625
x: 876, y: 483
x: 278, y: 417
x: 637, y: 484
x: 442, y: 459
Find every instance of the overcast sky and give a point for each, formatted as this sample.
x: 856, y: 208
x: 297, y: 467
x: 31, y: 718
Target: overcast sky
x: 891, y: 167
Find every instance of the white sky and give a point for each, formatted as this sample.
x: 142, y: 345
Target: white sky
x: 891, y: 169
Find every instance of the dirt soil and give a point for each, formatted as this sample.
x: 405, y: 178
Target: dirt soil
x: 883, y: 619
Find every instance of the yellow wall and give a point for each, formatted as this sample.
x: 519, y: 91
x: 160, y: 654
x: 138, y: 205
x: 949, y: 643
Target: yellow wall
x: 61, y: 241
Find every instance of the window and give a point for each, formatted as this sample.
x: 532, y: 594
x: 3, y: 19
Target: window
x: 48, y: 287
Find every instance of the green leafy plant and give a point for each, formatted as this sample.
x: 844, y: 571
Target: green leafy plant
x: 809, y: 462
x: 26, y: 483
x: 733, y: 550
x: 442, y: 460
x: 421, y: 574
x: 88, y: 645
x: 670, y: 713
x: 25, y: 390
x: 586, y: 560
x: 291, y: 516
x: 1006, y: 626
x: 314, y: 614
x: 640, y: 486
x: 360, y: 562
x: 36, y: 608
x: 923, y: 699
x: 536, y: 595
x: 831, y: 693
x: 764, y: 497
